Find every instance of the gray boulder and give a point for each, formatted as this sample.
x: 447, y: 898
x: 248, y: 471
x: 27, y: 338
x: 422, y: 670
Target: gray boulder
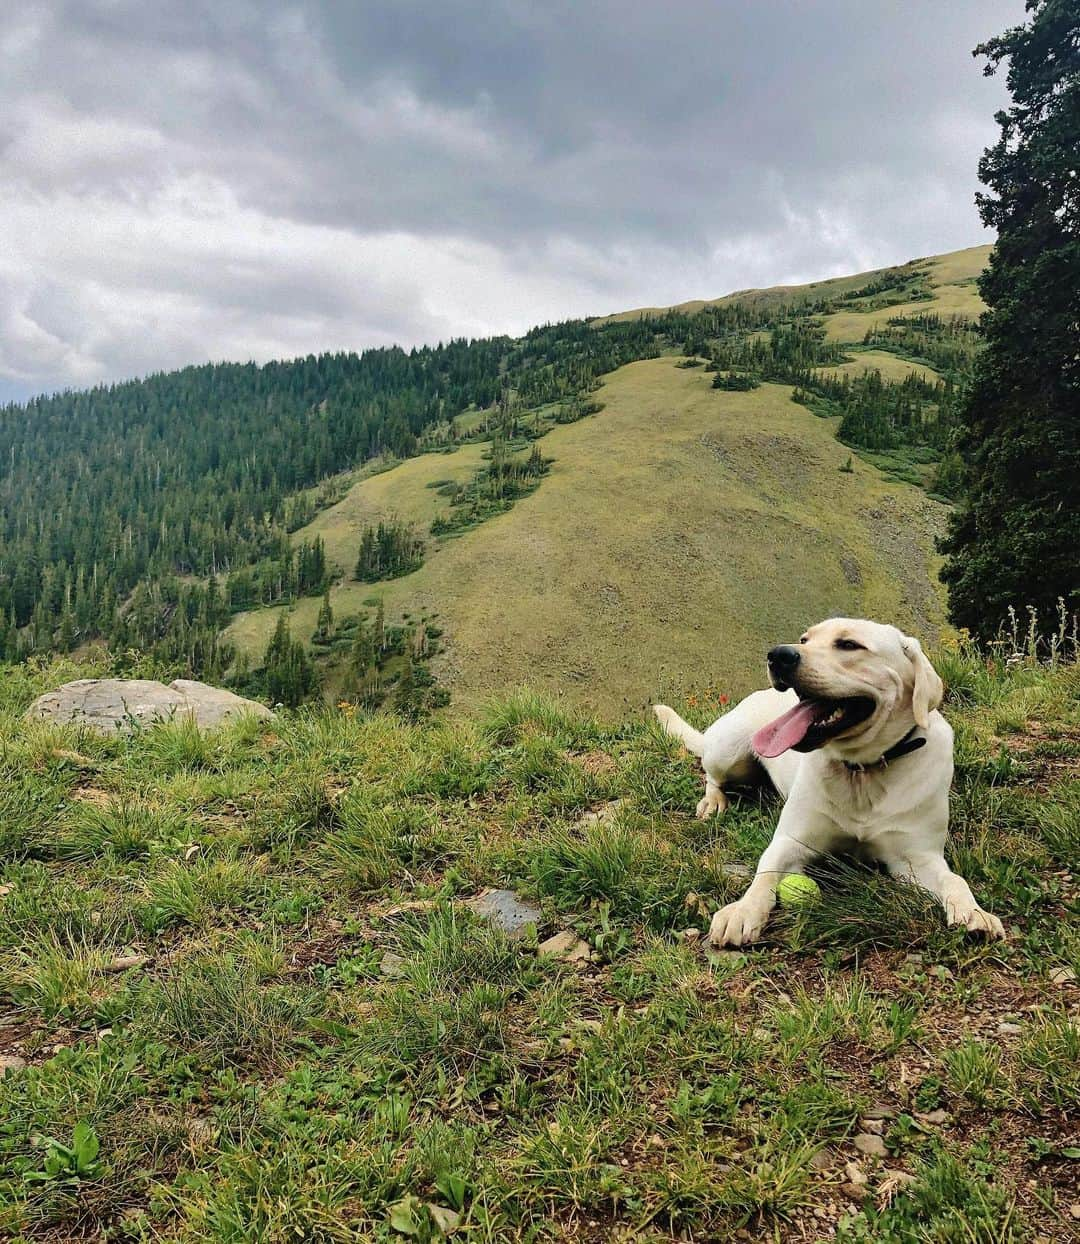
x: 118, y: 705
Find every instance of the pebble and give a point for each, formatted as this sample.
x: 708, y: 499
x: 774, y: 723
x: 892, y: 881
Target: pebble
x: 880, y: 1111
x: 877, y: 1126
x: 873, y: 1146
x: 1062, y: 976
x: 566, y: 946
x: 691, y: 936
x: 392, y: 965
x: 821, y: 1161
x: 855, y: 1173
x: 11, y: 1062
x: 901, y: 1179
x: 934, y: 1116
x: 1008, y: 1029
x: 124, y: 962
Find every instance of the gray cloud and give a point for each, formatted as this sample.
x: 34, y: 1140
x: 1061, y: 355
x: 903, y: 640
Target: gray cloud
x: 234, y: 179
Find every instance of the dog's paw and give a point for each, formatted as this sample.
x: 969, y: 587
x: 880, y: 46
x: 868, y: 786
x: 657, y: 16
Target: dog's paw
x: 712, y: 803
x: 972, y: 917
x: 737, y: 924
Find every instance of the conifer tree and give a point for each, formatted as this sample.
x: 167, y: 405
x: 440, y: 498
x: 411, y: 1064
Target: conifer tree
x: 324, y: 626
x: 1014, y: 538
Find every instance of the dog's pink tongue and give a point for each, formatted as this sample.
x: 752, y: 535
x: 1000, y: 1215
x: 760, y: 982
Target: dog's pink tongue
x: 787, y: 730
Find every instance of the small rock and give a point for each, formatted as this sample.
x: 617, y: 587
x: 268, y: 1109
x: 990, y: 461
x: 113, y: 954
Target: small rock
x: 879, y: 1110
x: 691, y: 936
x: 821, y: 1161
x: 876, y: 1126
x: 504, y: 910
x: 1062, y: 976
x: 1008, y: 1029
x: 873, y: 1146
x: 566, y: 946
x: 935, y: 1117
x: 11, y: 1062
x: 392, y: 965
x: 899, y: 1179
x: 602, y: 815
x: 124, y: 962
x: 1074, y: 1210
x: 855, y: 1174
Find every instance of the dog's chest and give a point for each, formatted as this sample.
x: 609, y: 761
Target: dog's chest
x: 859, y: 797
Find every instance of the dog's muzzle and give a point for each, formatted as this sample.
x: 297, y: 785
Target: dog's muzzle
x: 783, y: 661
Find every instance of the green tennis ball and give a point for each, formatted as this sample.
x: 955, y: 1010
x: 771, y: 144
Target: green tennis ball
x: 795, y: 890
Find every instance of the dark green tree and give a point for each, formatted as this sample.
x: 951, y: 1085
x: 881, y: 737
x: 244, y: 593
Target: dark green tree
x: 1014, y: 540
x: 324, y: 626
x: 363, y: 654
x: 288, y: 671
x: 407, y: 698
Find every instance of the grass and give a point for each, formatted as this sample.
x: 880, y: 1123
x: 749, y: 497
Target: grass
x: 664, y: 522
x: 243, y: 999
x: 649, y: 552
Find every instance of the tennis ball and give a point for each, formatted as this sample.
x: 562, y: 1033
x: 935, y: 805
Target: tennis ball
x: 795, y: 890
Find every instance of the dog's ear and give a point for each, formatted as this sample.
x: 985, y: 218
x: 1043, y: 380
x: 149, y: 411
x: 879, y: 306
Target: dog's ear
x: 928, y: 689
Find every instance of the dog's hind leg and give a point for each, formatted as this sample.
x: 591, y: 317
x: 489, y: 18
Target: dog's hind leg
x: 713, y: 802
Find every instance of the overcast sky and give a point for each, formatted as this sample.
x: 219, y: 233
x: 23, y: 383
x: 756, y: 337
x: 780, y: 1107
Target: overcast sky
x: 183, y: 180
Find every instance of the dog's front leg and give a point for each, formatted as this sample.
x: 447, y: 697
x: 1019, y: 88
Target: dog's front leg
x: 952, y: 891
x: 741, y: 922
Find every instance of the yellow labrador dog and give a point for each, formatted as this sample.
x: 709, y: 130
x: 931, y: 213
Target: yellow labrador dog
x: 851, y: 737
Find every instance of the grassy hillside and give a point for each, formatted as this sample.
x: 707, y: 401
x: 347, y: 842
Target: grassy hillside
x: 243, y: 998
x: 679, y: 530
x: 952, y: 275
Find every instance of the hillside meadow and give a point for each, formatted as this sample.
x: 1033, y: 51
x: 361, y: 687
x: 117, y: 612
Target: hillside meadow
x: 245, y: 999
x: 679, y: 532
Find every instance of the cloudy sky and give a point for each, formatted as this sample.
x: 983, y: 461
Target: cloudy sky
x: 192, y: 179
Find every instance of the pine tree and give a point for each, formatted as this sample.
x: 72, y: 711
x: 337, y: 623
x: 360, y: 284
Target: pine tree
x: 406, y: 697
x: 1014, y: 539
x: 324, y: 626
x: 362, y: 655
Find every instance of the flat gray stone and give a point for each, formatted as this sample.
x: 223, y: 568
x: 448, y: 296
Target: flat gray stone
x: 873, y: 1146
x: 120, y: 705
x: 392, y: 965
x: 504, y: 910
x: 11, y: 1062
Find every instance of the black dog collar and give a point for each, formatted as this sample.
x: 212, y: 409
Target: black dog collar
x: 906, y: 744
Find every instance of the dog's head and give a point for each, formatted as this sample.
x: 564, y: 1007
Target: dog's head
x: 860, y: 685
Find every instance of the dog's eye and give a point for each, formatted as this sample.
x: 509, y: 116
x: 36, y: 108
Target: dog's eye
x: 804, y: 639
x: 847, y: 645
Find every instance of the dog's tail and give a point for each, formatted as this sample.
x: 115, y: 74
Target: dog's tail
x: 693, y: 740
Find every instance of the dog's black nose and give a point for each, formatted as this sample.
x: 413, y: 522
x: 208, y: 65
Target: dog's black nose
x: 783, y: 659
